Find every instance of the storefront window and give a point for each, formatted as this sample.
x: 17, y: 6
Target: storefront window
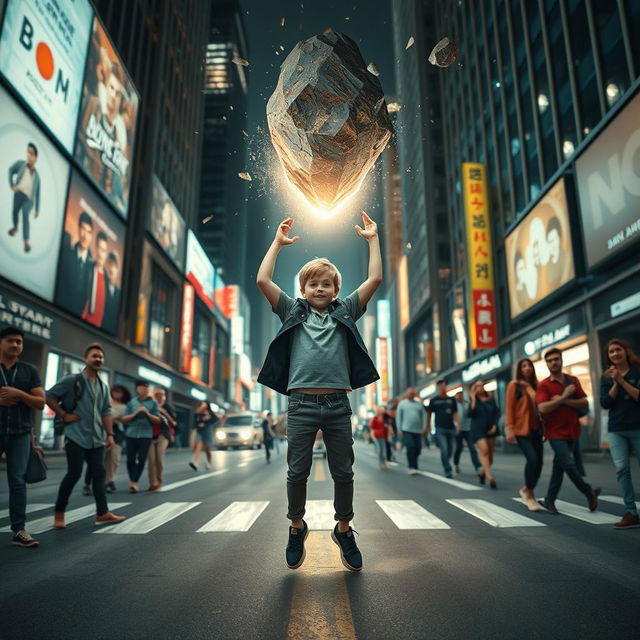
x: 423, y: 349
x: 162, y: 300
x: 201, y: 348
x: 222, y: 352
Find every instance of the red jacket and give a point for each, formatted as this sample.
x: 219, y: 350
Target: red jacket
x: 378, y: 428
x: 563, y: 423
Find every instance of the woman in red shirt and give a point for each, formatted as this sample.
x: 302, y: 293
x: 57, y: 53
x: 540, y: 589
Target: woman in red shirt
x: 378, y: 429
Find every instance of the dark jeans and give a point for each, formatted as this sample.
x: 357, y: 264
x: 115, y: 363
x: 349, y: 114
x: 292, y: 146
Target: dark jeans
x: 413, y: 444
x: 17, y: 449
x: 137, y: 451
x: 564, y: 462
x: 268, y: 445
x: 76, y: 455
x: 445, y: 443
x: 531, y: 447
x: 461, y: 438
x: 21, y: 204
x: 306, y: 414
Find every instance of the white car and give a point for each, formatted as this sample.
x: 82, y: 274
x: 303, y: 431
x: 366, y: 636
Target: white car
x: 238, y: 430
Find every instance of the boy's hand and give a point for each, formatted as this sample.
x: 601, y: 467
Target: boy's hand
x: 370, y: 228
x: 282, y: 234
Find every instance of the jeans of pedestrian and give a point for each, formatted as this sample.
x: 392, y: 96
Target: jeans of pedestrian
x: 306, y: 414
x: 21, y: 204
x: 17, y: 449
x: 445, y: 443
x: 137, y: 451
x: 623, y: 444
x: 381, y: 446
x: 155, y: 460
x: 461, y: 438
x: 531, y: 447
x: 413, y: 445
x: 564, y: 462
x: 268, y: 445
x: 111, y: 462
x: 76, y: 456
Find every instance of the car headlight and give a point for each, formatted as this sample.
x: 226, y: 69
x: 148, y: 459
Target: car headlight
x: 245, y: 434
x: 221, y: 435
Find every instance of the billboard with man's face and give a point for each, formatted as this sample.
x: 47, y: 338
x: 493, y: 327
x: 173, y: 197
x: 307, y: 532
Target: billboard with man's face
x: 42, y: 54
x: 539, y: 252
x: 107, y: 127
x: 31, y: 201
x: 90, y: 268
x: 166, y: 224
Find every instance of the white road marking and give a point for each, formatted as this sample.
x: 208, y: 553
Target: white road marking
x: 238, y: 516
x: 493, y: 514
x: 582, y: 513
x: 454, y: 483
x: 319, y: 515
x: 182, y: 483
x: 30, y: 509
x: 407, y: 514
x: 243, y: 464
x: 46, y: 523
x: 616, y: 500
x: 150, y: 519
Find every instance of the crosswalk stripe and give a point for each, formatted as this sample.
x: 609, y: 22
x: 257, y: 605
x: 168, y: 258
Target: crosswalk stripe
x: 238, y: 516
x: 616, y: 500
x: 493, y: 514
x: 46, y: 522
x: 244, y: 464
x: 319, y: 515
x: 30, y: 509
x: 407, y: 514
x: 582, y: 513
x: 182, y: 483
x: 454, y: 483
x: 150, y: 519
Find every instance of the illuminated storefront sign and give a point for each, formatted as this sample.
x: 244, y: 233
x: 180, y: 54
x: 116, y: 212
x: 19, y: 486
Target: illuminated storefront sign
x: 186, y: 337
x: 483, y: 331
x: 553, y: 332
x: 151, y: 375
x: 35, y: 322
x: 403, y: 292
x: 200, y: 271
x: 382, y: 364
x: 197, y: 394
x: 384, y: 318
x: 482, y: 367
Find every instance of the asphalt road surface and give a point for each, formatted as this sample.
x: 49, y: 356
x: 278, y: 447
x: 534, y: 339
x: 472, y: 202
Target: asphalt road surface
x: 204, y: 558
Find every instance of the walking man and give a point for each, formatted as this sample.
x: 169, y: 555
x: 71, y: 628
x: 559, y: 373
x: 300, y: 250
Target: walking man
x: 83, y: 403
x: 411, y: 419
x: 24, y: 181
x: 560, y: 398
x: 20, y: 393
x: 447, y: 423
x: 464, y: 435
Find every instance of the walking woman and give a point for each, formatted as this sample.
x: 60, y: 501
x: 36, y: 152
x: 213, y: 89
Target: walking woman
x: 378, y: 428
x: 204, y: 435
x: 522, y: 425
x: 620, y: 393
x: 484, y: 414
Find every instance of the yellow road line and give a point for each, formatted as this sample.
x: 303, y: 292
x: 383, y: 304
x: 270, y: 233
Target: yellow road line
x: 319, y: 474
x: 320, y: 607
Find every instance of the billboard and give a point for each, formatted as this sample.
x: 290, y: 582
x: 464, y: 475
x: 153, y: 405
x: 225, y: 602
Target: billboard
x: 539, y: 253
x: 200, y: 271
x: 166, y: 224
x: 107, y: 126
x: 42, y: 54
x: 608, y: 175
x: 90, y: 267
x: 32, y: 201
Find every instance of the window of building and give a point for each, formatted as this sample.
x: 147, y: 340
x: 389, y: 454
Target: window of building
x: 163, y: 300
x: 423, y: 348
x: 633, y: 20
x: 201, y: 348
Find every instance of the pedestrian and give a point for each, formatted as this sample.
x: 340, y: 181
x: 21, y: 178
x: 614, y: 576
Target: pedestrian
x: 390, y: 419
x: 484, y: 414
x: 21, y: 393
x: 316, y: 357
x: 24, y: 181
x: 82, y: 402
x: 447, y: 422
x: 141, y: 413
x: 162, y: 436
x: 378, y: 428
x: 411, y: 419
x: 560, y: 398
x: 620, y: 394
x: 204, y: 435
x: 464, y: 435
x: 268, y: 434
x: 522, y: 425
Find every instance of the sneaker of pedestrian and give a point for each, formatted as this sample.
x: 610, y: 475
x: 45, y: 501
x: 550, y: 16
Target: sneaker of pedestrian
x: 110, y: 487
x: 533, y: 505
x: 133, y: 487
x: 295, y: 552
x: 349, y: 552
x: 207, y: 465
x: 383, y: 465
x: 23, y: 539
x: 482, y: 478
x: 86, y: 490
x: 448, y: 474
x: 457, y: 468
x: 549, y: 506
x: 524, y: 496
x: 413, y: 472
x: 592, y: 498
x: 492, y: 483
x: 629, y: 521
x: 108, y: 518
x: 58, y: 520
x: 153, y: 487
x: 193, y: 466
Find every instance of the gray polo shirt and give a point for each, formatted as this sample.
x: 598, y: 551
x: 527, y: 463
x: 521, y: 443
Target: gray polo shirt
x: 93, y: 405
x: 319, y: 350
x: 411, y: 416
x: 141, y: 426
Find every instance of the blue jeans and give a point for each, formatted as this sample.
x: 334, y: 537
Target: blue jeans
x: 305, y: 415
x: 17, y: 449
x: 413, y: 445
x: 445, y: 443
x: 461, y: 438
x: 623, y: 443
x: 531, y: 447
x: 564, y: 462
x: 381, y: 444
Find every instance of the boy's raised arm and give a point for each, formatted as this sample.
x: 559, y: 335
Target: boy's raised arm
x: 370, y: 234
x: 269, y: 288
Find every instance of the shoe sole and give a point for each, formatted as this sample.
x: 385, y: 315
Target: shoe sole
x: 99, y: 523
x: 304, y: 553
x: 629, y: 526
x: 30, y: 545
x: 344, y: 561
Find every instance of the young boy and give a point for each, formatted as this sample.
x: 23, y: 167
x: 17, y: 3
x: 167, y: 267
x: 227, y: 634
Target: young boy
x: 316, y: 357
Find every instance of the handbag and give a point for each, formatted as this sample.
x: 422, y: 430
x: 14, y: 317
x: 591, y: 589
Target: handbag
x: 36, y: 466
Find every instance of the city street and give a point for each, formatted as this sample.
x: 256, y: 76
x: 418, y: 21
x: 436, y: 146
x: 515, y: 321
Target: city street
x: 204, y: 558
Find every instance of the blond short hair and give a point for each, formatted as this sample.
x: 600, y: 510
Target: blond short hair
x: 316, y: 266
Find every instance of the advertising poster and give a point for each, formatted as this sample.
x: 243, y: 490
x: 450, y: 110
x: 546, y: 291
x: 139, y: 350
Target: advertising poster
x: 539, y: 253
x: 42, y: 54
x: 32, y: 201
x: 166, y: 224
x: 107, y: 127
x: 200, y: 271
x: 90, y: 268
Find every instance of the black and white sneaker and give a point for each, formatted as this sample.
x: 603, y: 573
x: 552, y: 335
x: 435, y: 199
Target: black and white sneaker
x: 349, y: 552
x: 295, y: 552
x: 23, y: 539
